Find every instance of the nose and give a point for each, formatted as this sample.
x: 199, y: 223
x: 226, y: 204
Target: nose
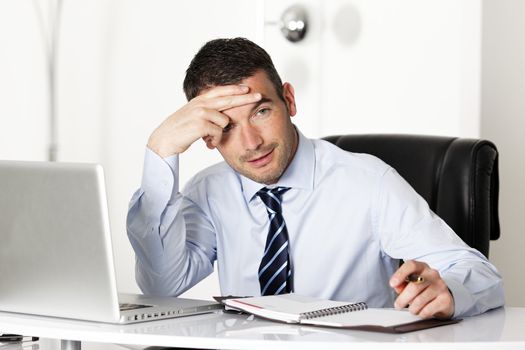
x: 251, y: 138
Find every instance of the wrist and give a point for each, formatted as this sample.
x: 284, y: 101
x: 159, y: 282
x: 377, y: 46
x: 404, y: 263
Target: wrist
x: 160, y: 148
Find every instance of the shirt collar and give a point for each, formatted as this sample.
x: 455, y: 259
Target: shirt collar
x: 299, y: 174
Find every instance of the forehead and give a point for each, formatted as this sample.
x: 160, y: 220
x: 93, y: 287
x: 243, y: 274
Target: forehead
x: 260, y: 83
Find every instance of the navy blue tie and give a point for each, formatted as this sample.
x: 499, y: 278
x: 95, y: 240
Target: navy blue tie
x: 275, y: 271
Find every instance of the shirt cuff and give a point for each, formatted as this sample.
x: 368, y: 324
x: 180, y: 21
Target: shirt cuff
x: 159, y: 179
x: 463, y: 300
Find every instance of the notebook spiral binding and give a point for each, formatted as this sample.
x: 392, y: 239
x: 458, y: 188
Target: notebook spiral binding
x: 334, y: 310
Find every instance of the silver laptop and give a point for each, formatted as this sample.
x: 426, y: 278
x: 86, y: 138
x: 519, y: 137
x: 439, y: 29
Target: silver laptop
x: 56, y: 257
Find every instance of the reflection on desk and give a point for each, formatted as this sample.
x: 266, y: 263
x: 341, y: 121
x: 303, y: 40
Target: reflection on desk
x: 220, y: 330
x: 484, y: 328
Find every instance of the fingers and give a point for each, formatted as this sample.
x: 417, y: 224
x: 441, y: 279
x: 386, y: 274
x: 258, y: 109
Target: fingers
x: 213, y: 135
x: 421, y: 299
x: 213, y: 116
x: 183, y: 127
x: 200, y: 118
x: 430, y: 298
x: 409, y: 293
x: 209, y: 105
x: 225, y: 90
x: 207, y: 124
x: 223, y: 103
x: 441, y: 307
x: 222, y: 98
x: 408, y: 268
x: 430, y: 303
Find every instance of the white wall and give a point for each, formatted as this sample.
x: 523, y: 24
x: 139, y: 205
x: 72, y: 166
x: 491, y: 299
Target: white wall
x: 24, y: 107
x: 503, y: 122
x: 413, y: 67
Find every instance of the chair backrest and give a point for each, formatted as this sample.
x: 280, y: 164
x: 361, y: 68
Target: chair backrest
x: 458, y: 177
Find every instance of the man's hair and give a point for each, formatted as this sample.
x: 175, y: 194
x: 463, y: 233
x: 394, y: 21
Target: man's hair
x: 228, y: 61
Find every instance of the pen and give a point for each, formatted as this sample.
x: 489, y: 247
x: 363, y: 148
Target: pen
x: 15, y: 338
x: 417, y: 279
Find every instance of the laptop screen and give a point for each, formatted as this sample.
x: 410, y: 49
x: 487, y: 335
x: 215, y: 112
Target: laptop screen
x: 55, y: 245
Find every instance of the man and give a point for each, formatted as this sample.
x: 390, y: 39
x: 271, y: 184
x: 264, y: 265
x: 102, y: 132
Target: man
x: 284, y: 213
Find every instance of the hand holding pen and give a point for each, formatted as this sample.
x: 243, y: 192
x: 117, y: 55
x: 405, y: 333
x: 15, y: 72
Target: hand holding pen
x: 422, y: 290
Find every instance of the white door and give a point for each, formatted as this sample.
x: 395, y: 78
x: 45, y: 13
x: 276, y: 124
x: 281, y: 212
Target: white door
x: 393, y: 66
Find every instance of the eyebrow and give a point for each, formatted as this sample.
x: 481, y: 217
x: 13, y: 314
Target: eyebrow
x: 260, y: 102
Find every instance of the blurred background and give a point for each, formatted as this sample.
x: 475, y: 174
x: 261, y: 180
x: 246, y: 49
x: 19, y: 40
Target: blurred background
x: 88, y: 81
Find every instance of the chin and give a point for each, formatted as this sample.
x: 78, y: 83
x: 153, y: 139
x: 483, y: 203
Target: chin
x: 267, y: 179
x: 264, y: 176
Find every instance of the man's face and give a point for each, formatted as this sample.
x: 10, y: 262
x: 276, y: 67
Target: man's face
x: 260, y: 140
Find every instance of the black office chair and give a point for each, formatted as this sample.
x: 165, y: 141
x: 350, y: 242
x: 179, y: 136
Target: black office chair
x: 457, y: 177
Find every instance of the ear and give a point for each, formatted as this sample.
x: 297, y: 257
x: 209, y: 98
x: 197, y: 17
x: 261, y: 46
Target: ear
x: 289, y: 98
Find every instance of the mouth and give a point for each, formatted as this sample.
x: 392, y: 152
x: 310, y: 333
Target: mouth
x: 262, y: 161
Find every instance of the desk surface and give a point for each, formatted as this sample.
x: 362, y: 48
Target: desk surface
x: 503, y: 328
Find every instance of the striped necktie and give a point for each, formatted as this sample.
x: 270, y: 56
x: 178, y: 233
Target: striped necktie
x: 275, y: 270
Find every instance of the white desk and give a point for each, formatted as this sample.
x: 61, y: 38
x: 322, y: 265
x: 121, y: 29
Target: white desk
x: 497, y: 329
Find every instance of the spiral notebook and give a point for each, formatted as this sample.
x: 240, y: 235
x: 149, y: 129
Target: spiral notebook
x: 294, y: 308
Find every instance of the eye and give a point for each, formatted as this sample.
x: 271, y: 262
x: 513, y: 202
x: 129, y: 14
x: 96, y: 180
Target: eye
x: 227, y: 128
x: 263, y: 111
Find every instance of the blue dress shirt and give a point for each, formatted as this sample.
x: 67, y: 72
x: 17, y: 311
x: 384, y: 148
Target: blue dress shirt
x: 350, y: 219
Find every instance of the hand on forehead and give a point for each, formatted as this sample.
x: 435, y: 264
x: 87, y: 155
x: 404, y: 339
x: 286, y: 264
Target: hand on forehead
x: 226, y: 97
